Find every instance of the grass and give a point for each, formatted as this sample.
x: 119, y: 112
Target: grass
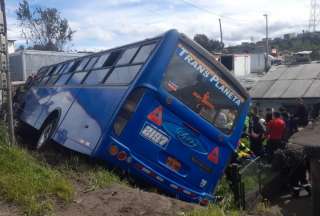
x: 90, y: 174
x: 213, y: 210
x: 29, y: 183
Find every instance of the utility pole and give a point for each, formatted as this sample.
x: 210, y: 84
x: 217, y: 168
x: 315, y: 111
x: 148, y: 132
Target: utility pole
x: 4, y: 68
x: 267, y: 45
x: 221, y: 39
x: 314, y: 19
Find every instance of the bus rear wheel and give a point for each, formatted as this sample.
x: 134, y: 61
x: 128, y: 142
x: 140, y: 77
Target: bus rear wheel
x: 46, y: 133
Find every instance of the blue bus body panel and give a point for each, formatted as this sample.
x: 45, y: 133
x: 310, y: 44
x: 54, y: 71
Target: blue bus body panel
x: 35, y: 102
x: 89, y: 115
x: 60, y: 101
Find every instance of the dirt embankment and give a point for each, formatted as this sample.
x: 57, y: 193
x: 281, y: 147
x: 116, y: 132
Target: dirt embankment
x: 120, y: 200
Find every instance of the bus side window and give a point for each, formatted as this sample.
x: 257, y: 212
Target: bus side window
x: 144, y: 53
x: 127, y: 56
x: 44, y: 80
x: 96, y: 76
x: 82, y: 64
x: 68, y: 67
x: 57, y: 69
x: 77, y: 78
x: 112, y: 58
x: 63, y: 79
x: 52, y: 79
x: 91, y: 63
x: 123, y: 75
x: 101, y: 61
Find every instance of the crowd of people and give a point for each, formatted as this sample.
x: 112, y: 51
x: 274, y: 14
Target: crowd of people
x: 271, y: 132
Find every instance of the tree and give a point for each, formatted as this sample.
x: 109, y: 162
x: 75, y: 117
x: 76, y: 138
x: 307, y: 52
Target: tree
x: 209, y: 44
x: 43, y: 28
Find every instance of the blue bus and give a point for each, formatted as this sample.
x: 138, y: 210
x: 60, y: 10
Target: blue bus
x: 161, y: 109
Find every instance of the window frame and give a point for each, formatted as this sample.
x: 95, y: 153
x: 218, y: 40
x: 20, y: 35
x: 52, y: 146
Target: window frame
x: 119, y: 52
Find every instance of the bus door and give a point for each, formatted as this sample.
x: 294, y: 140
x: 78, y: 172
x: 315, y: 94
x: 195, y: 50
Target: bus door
x: 185, y: 130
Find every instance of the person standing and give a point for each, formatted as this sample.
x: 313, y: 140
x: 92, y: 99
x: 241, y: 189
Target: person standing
x: 275, y: 133
x: 301, y: 114
x: 256, y: 132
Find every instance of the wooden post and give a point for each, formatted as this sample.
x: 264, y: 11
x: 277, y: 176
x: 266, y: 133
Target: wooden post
x: 315, y: 178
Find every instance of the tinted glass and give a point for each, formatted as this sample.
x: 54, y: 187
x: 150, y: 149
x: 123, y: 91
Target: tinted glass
x: 49, y: 71
x: 52, y: 79
x: 123, y: 75
x: 44, y: 80
x: 63, y: 79
x: 42, y: 71
x: 77, y: 78
x: 199, y: 87
x: 144, y: 53
x: 96, y: 76
x: 91, y: 63
x: 127, y: 56
x: 101, y: 61
x: 67, y: 68
x: 82, y: 64
x: 113, y: 57
x: 57, y: 69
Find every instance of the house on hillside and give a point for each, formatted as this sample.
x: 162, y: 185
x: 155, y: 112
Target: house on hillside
x: 287, y: 83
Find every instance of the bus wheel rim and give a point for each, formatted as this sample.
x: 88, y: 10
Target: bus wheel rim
x: 45, y: 134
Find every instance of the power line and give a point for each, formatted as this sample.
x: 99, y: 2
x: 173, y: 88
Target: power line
x: 213, y: 13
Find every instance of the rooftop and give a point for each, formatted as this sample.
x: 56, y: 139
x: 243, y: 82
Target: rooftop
x: 289, y: 82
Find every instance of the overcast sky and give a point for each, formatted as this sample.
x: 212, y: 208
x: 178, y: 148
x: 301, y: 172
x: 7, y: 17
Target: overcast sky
x: 102, y: 24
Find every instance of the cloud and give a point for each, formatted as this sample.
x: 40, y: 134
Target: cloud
x: 104, y: 24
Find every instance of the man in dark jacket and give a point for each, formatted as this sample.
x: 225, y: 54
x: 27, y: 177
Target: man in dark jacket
x: 301, y: 114
x: 256, y: 132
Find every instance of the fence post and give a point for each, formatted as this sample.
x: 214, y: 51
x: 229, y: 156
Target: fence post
x: 5, y: 69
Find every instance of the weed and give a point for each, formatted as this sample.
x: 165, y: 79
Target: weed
x: 29, y: 183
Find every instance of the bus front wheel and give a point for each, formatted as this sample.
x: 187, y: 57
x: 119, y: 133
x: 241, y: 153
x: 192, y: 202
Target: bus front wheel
x: 46, y: 133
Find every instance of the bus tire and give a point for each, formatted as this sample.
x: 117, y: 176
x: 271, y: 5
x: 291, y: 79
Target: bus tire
x: 46, y: 132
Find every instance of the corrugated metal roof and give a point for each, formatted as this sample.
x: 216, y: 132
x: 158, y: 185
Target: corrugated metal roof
x: 297, y: 88
x: 277, y: 89
x: 289, y: 82
x: 314, y: 90
x: 261, y: 88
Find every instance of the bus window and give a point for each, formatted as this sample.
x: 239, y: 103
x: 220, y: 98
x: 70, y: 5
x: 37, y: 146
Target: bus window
x: 57, y: 69
x: 77, y: 78
x: 144, y: 53
x: 52, y: 79
x: 63, y: 79
x: 82, y: 64
x: 199, y: 91
x: 123, y: 75
x: 49, y: 71
x: 127, y: 56
x: 112, y: 58
x: 44, y: 80
x: 101, y: 61
x: 96, y: 76
x: 67, y: 68
x: 91, y: 63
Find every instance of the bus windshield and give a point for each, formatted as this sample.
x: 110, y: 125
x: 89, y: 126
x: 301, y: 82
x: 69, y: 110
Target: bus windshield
x: 202, y: 89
